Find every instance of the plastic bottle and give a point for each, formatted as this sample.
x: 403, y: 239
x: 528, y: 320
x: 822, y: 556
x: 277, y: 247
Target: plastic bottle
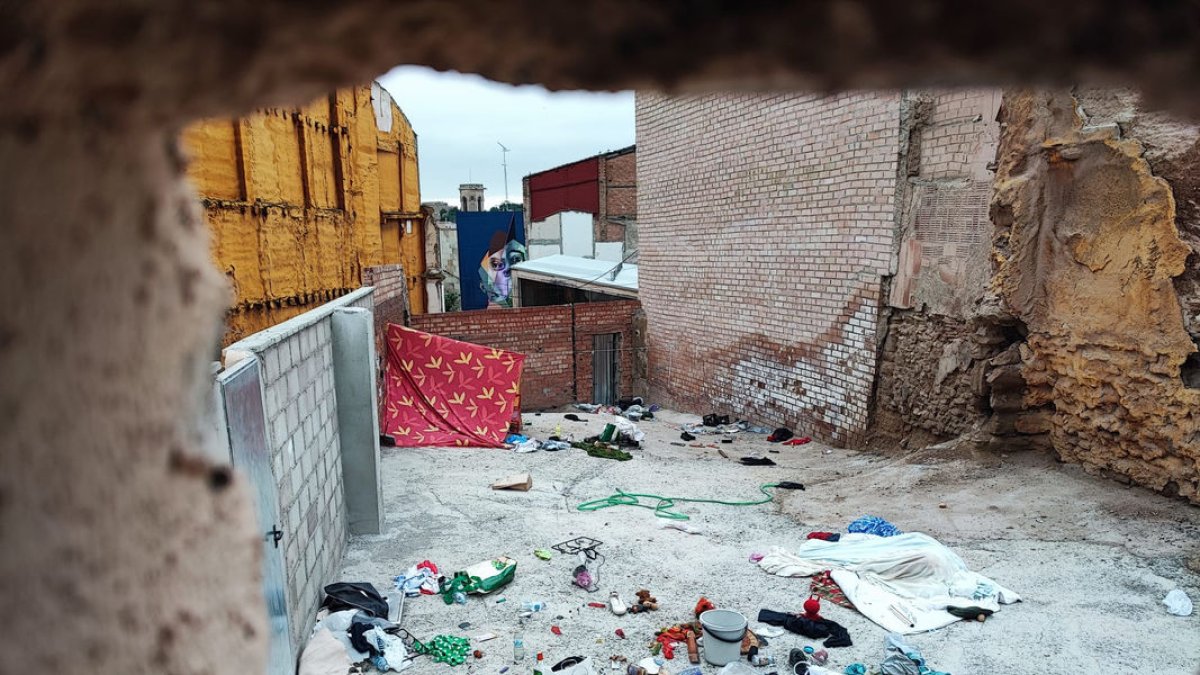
x: 537, y: 666
x: 460, y: 597
x: 519, y: 645
x: 532, y: 605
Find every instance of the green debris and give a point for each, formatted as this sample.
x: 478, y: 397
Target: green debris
x: 603, y: 451
x: 542, y: 553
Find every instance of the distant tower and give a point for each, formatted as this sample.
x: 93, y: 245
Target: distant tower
x: 470, y: 196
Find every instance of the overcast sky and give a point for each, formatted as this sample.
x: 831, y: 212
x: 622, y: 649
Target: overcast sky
x: 459, y: 118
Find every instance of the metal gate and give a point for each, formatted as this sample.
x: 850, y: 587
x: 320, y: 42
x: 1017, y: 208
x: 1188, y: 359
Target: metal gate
x: 604, y: 367
x: 241, y: 392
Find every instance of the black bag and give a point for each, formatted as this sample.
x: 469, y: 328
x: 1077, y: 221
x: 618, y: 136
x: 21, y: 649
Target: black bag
x: 355, y: 595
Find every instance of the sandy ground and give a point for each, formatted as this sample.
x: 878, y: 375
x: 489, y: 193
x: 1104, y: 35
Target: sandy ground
x: 1092, y: 559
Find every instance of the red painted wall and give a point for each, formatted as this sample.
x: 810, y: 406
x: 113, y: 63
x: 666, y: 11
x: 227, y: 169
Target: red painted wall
x: 543, y: 334
x: 568, y: 188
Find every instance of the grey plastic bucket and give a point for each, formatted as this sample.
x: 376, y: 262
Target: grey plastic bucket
x: 723, y: 633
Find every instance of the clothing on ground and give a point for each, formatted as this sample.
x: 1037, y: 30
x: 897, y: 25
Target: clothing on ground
x: 873, y: 525
x: 825, y: 536
x: 355, y: 595
x: 837, y: 635
x: 823, y: 586
x: 912, y: 573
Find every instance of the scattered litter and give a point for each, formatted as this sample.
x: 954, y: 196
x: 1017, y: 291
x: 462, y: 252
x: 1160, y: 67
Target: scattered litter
x: 824, y: 536
x: 1178, y: 603
x: 484, y: 637
x: 573, y: 417
x: 420, y: 579
x: 532, y: 605
x: 542, y: 554
x: 515, y: 439
x: 798, y: 441
x: 873, y: 525
x: 526, y: 446
x: 599, y: 605
x: 755, y: 557
x: 519, y: 481
x: 481, y: 578
x: 478, y: 653
x: 834, y: 634
x: 645, y: 602
x: 920, y: 573
x: 324, y: 655
x: 620, y: 633
x: 737, y: 668
x: 715, y: 420
x: 687, y: 437
x: 616, y: 604
x: 501, y: 599
x: 586, y: 549
x: 979, y: 614
x: 554, y: 445
x: 629, y: 430
x: 603, y: 450
x: 903, y: 659
x: 664, y: 508
x: 780, y: 435
x: 503, y: 670
x: 769, y: 631
x: 681, y: 526
x: 464, y: 625
x: 556, y: 630
x: 941, y: 505
x: 677, y: 443
x: 758, y: 461
x: 587, y: 407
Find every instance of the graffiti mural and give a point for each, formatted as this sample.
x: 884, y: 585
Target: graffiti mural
x: 489, y: 244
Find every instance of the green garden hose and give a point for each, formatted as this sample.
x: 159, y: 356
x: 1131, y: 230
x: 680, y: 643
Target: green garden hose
x: 663, y: 509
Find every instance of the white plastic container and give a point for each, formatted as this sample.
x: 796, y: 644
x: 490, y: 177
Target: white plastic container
x: 723, y: 632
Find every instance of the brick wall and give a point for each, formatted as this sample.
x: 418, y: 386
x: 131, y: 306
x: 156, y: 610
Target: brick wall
x: 302, y: 430
x: 543, y: 334
x: 619, y: 176
x: 767, y: 223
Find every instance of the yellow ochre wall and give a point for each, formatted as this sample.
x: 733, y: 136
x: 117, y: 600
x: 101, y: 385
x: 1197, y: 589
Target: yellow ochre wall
x: 301, y: 200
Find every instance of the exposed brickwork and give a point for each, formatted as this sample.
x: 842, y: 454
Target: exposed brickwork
x: 768, y: 223
x: 543, y: 334
x: 391, y: 306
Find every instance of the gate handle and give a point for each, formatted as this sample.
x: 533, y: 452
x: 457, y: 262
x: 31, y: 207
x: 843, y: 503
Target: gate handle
x: 275, y: 535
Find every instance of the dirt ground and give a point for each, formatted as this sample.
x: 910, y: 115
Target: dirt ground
x: 1092, y: 559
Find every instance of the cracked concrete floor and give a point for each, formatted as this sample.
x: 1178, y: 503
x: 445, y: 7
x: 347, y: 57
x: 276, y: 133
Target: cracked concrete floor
x: 1092, y: 559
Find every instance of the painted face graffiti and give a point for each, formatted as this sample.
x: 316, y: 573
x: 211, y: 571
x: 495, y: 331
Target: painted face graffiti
x: 495, y: 270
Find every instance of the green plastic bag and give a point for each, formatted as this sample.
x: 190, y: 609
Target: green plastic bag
x: 481, y: 578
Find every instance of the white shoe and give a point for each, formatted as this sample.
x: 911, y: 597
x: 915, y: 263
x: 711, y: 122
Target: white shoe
x: 614, y: 602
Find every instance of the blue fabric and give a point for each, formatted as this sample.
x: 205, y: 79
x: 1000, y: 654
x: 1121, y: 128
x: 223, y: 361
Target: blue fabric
x: 873, y: 525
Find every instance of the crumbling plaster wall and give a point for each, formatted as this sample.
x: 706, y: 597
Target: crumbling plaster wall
x: 109, y: 504
x: 935, y: 367
x: 1087, y: 252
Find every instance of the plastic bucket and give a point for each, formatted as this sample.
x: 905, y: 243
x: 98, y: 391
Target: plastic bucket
x: 723, y: 632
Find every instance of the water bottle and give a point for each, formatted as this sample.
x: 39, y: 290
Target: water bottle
x: 519, y: 646
x: 532, y: 605
x: 460, y: 597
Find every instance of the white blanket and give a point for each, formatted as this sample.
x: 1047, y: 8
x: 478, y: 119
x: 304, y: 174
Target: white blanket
x: 911, y: 572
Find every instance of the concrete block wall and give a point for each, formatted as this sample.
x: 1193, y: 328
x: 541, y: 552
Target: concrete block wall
x: 301, y: 410
x: 767, y: 223
x: 543, y: 334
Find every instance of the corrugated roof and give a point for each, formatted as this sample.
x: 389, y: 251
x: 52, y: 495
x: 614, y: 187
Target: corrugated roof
x: 580, y: 272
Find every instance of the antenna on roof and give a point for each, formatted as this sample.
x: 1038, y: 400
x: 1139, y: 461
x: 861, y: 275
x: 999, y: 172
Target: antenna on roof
x: 504, y: 163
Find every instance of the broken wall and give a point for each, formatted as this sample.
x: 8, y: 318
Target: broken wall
x: 767, y: 223
x: 300, y: 200
x: 1087, y: 258
x: 933, y: 365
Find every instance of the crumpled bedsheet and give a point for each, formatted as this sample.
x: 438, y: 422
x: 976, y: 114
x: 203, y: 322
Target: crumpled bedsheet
x: 913, y: 571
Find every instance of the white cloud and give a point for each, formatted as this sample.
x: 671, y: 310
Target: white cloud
x: 459, y: 118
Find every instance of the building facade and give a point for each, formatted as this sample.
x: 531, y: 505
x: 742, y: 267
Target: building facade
x: 301, y: 201
x: 1009, y: 269
x: 587, y: 208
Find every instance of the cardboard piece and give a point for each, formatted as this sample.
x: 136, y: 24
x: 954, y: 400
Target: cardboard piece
x: 517, y: 481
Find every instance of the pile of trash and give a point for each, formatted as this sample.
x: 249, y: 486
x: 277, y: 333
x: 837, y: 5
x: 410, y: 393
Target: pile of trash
x: 633, y: 408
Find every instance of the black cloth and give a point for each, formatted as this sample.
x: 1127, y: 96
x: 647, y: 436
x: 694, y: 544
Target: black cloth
x: 838, y: 636
x: 360, y: 623
x: 780, y: 435
x: 757, y: 461
x: 355, y: 595
x: 687, y: 437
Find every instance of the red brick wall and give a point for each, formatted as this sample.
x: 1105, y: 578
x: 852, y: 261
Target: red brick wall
x: 619, y: 175
x: 543, y: 334
x: 767, y: 224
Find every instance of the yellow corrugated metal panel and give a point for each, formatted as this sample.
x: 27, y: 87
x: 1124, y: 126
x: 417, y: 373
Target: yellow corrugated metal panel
x: 389, y: 181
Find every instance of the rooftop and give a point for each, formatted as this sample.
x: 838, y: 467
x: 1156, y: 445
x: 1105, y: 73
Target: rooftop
x: 569, y: 270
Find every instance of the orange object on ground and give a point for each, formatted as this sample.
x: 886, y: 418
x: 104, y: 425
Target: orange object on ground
x: 703, y: 606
